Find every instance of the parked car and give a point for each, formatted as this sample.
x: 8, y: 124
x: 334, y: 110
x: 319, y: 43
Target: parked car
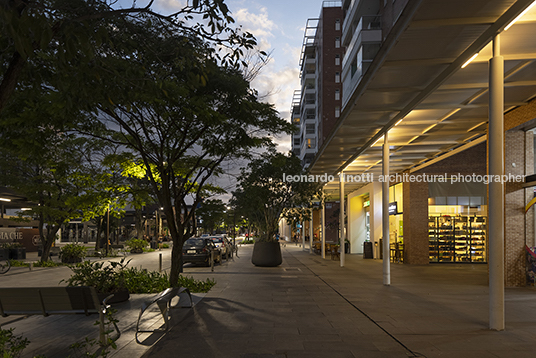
x: 198, y: 250
x: 222, y: 244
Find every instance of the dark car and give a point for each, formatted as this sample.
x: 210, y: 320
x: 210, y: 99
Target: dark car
x: 198, y: 250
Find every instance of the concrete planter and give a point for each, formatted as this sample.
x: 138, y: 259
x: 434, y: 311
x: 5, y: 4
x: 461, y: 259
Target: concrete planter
x: 266, y: 254
x: 119, y: 296
x: 17, y: 254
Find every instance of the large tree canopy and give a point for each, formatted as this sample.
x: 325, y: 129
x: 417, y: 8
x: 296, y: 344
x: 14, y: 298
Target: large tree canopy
x: 265, y: 196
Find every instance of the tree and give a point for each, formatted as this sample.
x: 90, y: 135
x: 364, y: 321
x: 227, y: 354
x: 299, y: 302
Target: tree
x: 266, y: 197
x: 165, y: 97
x: 211, y: 212
x: 60, y: 30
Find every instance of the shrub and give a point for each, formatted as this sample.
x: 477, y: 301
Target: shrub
x: 11, y: 346
x: 72, y: 253
x: 136, y: 245
x: 48, y: 263
x: 107, y: 278
x: 18, y: 263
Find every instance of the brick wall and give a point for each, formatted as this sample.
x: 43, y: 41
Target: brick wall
x: 472, y: 160
x: 415, y: 196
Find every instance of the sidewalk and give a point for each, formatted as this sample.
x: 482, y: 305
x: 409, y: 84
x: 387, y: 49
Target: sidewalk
x: 310, y: 307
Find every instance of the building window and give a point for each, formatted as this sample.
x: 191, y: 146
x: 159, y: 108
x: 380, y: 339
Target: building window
x: 337, y: 77
x: 337, y: 24
x: 337, y: 95
x: 337, y: 42
x: 337, y: 60
x: 310, y: 128
x: 310, y: 143
x: 337, y: 112
x: 296, y: 141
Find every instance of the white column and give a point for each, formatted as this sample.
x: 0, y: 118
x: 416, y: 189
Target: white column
x: 342, y: 232
x: 496, y: 189
x: 385, y: 213
x: 323, y: 230
x: 311, y: 233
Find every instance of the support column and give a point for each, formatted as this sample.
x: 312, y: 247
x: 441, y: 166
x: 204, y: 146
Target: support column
x: 323, y: 229
x: 303, y: 234
x: 311, y: 233
x: 342, y: 232
x: 496, y: 189
x: 385, y: 213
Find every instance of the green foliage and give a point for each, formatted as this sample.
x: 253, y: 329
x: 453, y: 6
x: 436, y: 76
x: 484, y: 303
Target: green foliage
x: 11, y: 346
x: 18, y: 263
x: 264, y: 197
x: 105, y: 277
x: 196, y: 285
x: 86, y: 348
x: 143, y: 281
x: 212, y: 214
x: 72, y: 252
x: 165, y: 246
x: 136, y: 244
x: 49, y: 263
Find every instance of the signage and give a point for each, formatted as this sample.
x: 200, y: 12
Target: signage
x: 366, y: 203
x: 393, y: 208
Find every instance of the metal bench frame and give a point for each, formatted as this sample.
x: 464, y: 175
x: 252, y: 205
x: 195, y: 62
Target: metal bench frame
x: 163, y: 301
x: 48, y: 301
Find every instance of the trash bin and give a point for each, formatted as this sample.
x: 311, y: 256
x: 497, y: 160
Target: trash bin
x: 367, y: 250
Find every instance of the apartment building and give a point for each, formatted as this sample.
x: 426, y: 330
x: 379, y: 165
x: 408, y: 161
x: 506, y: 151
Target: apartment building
x: 317, y: 105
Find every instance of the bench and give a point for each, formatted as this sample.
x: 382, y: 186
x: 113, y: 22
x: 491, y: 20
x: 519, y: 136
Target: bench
x: 48, y: 301
x: 163, y: 301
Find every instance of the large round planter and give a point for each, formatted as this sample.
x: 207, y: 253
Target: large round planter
x: 266, y: 254
x: 119, y: 296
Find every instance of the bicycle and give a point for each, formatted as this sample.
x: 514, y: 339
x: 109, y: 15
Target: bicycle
x: 5, y: 265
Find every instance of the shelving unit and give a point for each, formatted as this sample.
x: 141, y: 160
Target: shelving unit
x: 457, y: 238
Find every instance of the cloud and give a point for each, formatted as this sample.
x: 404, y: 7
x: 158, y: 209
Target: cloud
x: 258, y: 24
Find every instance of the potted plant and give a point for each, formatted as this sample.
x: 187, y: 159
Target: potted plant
x: 136, y: 246
x: 15, y: 250
x: 72, y: 253
x: 265, y: 196
x: 107, y: 278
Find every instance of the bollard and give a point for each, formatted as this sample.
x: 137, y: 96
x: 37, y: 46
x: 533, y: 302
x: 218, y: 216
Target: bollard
x: 30, y: 266
x: 212, y: 260
x: 160, y: 263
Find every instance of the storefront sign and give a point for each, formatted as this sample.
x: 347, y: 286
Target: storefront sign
x: 393, y: 208
x: 9, y: 235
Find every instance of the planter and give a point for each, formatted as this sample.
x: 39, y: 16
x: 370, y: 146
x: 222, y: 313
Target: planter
x: 4, y: 254
x: 17, y: 254
x: 266, y: 254
x: 119, y: 296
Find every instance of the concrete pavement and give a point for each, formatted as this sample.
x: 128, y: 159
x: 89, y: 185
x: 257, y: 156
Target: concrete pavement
x: 311, y: 307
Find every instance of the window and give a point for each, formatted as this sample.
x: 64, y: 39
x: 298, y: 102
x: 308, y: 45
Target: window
x: 310, y: 143
x: 337, y: 60
x: 337, y: 112
x: 337, y: 77
x: 337, y: 24
x: 296, y: 141
x: 337, y: 42
x: 310, y: 128
x: 337, y: 95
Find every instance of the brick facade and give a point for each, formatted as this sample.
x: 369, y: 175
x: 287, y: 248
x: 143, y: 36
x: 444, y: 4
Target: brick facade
x: 416, y: 240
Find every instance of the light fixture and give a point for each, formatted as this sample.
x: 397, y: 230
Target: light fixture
x: 377, y: 140
x: 400, y: 121
x: 429, y: 128
x: 25, y: 209
x: 519, y: 16
x: 470, y: 60
x: 4, y: 199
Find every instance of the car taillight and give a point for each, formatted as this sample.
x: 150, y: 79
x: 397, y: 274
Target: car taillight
x: 205, y: 249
